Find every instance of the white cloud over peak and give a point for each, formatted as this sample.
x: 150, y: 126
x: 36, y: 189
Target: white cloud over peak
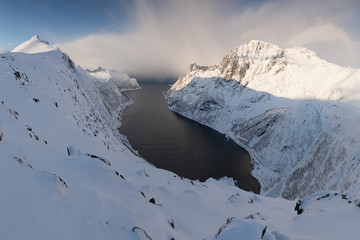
x: 166, y: 36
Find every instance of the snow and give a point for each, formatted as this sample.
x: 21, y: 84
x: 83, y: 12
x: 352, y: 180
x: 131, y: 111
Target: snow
x: 66, y: 172
x: 296, y: 114
x: 34, y: 45
x: 123, y: 81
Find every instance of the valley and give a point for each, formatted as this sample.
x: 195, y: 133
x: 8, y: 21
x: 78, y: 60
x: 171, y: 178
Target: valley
x: 185, y: 147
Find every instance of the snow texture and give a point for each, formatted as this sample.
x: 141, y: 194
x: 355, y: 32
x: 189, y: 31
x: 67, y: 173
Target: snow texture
x: 66, y: 172
x: 296, y: 114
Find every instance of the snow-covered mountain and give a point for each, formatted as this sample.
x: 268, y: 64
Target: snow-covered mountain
x: 34, y: 45
x: 112, y: 77
x: 66, y: 172
x: 296, y: 114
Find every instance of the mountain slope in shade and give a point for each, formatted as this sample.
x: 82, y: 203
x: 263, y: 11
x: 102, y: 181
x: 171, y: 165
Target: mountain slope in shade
x: 296, y: 114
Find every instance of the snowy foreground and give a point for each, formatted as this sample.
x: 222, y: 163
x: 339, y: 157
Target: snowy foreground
x: 296, y: 114
x: 66, y: 172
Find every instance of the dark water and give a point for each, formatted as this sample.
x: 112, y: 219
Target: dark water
x: 172, y: 142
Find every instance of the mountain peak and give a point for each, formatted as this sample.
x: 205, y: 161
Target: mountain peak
x: 99, y: 69
x: 258, y: 48
x: 34, y: 45
x: 35, y: 37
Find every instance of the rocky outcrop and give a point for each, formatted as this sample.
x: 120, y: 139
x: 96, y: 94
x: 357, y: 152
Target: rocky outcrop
x: 1, y: 134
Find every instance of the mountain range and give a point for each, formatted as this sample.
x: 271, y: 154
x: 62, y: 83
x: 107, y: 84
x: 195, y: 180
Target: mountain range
x: 67, y: 173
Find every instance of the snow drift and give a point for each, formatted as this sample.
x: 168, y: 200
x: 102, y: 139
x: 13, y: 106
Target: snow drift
x: 296, y: 114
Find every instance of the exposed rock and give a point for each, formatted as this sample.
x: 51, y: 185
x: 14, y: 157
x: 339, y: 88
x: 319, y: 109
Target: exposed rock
x: 73, y: 150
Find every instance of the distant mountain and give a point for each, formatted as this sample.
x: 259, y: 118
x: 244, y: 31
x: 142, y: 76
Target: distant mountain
x: 121, y: 80
x: 296, y: 114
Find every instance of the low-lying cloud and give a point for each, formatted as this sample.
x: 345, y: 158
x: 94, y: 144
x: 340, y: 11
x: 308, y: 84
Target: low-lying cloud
x: 164, y: 37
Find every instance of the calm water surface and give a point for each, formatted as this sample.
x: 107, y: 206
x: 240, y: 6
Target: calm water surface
x: 185, y: 147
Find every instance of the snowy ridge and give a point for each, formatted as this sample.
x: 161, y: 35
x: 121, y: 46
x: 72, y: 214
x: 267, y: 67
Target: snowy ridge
x: 66, y: 172
x: 256, y: 49
x: 296, y: 114
x: 34, y: 45
x: 121, y: 80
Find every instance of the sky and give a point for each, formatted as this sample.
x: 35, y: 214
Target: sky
x: 159, y: 39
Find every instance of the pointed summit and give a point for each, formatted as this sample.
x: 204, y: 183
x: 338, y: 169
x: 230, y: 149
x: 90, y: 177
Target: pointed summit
x: 258, y: 48
x: 34, y: 45
x: 37, y: 38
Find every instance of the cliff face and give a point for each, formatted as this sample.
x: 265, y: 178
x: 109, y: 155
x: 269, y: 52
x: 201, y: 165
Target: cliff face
x: 296, y: 114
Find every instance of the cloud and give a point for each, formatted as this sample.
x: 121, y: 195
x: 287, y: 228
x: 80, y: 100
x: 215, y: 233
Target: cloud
x: 330, y: 42
x: 2, y: 50
x: 164, y: 37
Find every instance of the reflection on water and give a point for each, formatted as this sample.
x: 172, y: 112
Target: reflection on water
x: 172, y: 142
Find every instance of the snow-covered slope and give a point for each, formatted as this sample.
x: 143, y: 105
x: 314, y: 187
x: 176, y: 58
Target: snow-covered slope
x: 296, y: 114
x: 66, y: 172
x: 112, y: 77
